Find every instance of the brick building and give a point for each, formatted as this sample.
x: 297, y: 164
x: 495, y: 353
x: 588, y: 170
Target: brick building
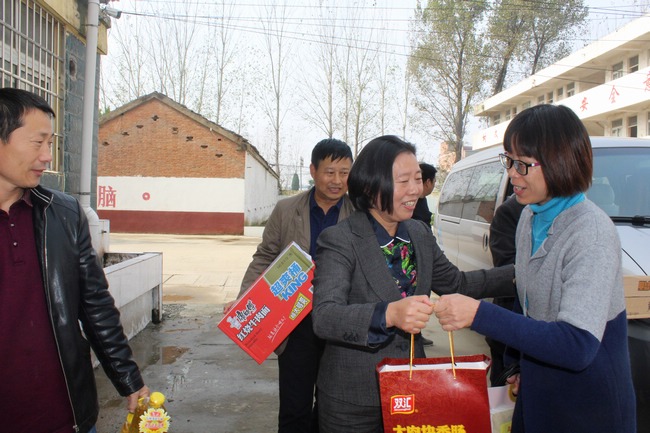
x: 162, y: 168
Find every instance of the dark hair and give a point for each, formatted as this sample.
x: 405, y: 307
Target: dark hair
x: 371, y: 175
x: 556, y: 138
x: 14, y: 104
x: 428, y: 171
x: 332, y: 148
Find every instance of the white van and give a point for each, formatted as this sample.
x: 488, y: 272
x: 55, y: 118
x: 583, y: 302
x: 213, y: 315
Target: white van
x: 478, y: 184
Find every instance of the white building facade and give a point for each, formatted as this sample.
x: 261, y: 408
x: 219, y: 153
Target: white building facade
x: 606, y: 83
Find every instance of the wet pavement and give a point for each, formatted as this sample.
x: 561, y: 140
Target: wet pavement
x: 211, y: 385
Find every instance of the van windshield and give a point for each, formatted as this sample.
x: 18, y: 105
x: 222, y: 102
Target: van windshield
x: 621, y: 182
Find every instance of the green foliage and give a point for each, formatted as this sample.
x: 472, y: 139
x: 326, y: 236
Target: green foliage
x: 463, y: 48
x: 532, y: 35
x: 295, y: 182
x: 448, y: 65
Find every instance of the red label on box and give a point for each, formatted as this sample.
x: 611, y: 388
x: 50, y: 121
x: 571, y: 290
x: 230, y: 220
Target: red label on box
x: 274, y: 305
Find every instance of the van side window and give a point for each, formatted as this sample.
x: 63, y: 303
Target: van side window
x: 482, y: 193
x: 453, y: 194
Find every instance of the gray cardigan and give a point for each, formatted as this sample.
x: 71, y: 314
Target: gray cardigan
x: 352, y: 277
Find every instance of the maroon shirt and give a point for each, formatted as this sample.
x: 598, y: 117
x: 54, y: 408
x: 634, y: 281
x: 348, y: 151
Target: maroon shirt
x: 33, y: 393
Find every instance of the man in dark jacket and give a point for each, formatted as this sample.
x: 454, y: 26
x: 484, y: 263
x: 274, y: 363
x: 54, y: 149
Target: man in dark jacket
x: 54, y: 298
x: 422, y: 211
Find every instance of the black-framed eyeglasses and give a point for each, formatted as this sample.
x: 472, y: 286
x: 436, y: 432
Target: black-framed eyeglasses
x: 521, y: 167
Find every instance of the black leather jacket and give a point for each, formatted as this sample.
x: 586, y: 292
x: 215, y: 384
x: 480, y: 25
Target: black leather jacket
x: 76, y: 290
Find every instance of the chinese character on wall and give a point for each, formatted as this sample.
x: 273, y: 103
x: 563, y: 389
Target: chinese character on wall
x: 106, y: 196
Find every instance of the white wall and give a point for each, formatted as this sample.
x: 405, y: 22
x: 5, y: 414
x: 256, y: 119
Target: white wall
x: 171, y: 194
x: 261, y: 192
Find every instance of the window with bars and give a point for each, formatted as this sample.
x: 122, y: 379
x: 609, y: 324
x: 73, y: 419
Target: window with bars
x: 570, y: 89
x: 617, y: 71
x: 633, y: 64
x: 31, y: 57
x: 617, y: 128
x: 632, y: 130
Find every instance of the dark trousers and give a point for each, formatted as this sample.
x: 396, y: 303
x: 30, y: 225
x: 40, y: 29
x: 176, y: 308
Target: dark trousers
x: 298, y: 368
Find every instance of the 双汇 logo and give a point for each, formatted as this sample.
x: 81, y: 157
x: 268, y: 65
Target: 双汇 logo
x: 402, y: 404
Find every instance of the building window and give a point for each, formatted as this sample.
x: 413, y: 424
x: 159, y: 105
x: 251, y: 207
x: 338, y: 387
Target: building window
x: 549, y: 98
x: 570, y: 89
x: 496, y: 119
x: 540, y: 99
x: 633, y: 64
x: 632, y: 126
x: 617, y: 128
x: 507, y: 115
x: 617, y: 71
x: 526, y: 105
x: 560, y: 93
x: 31, y: 57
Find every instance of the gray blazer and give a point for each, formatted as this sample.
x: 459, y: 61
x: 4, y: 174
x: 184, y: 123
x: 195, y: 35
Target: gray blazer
x: 352, y: 277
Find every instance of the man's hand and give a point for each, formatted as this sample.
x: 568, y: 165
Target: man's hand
x: 132, y: 400
x: 409, y: 314
x: 228, y: 306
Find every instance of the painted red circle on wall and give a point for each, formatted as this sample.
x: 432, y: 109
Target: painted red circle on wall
x: 146, y: 196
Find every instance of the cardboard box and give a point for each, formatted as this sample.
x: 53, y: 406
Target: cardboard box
x: 637, y: 296
x: 273, y: 306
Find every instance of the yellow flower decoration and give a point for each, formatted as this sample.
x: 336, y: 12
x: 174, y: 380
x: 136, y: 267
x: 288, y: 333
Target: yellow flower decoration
x: 154, y: 420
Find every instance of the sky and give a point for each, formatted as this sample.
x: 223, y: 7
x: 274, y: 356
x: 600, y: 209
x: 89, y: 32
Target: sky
x: 605, y: 17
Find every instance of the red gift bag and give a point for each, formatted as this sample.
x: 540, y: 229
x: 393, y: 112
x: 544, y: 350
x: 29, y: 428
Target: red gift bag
x: 428, y: 398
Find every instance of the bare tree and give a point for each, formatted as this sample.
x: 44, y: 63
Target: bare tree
x: 128, y: 78
x: 355, y: 68
x: 385, y: 82
x: 319, y: 82
x: 278, y: 54
x: 173, y: 46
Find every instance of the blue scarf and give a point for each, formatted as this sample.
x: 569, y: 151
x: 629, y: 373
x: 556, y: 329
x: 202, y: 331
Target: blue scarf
x: 545, y: 214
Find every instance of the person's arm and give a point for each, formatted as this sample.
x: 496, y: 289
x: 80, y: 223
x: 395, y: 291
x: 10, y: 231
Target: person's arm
x: 267, y: 251
x: 341, y: 315
x: 491, y: 283
x: 101, y: 319
x: 572, y: 341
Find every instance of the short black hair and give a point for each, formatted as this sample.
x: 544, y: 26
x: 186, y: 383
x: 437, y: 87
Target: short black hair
x: 14, y: 104
x: 428, y: 171
x: 332, y: 148
x: 371, y: 176
x: 556, y: 137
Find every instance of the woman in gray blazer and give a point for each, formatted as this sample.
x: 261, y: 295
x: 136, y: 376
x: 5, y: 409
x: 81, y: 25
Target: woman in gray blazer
x: 374, y: 274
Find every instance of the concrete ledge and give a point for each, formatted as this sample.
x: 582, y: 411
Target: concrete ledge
x: 136, y: 286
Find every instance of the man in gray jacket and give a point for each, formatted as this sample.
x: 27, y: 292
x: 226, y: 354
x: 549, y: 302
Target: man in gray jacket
x: 54, y: 298
x: 301, y: 218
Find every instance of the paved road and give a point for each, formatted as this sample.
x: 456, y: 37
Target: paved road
x: 212, y: 386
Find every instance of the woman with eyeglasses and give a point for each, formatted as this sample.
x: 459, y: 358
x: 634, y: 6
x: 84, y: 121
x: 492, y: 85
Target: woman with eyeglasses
x: 568, y: 328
